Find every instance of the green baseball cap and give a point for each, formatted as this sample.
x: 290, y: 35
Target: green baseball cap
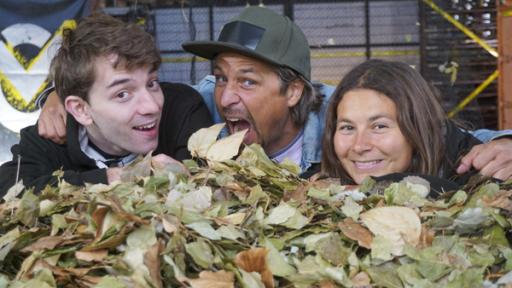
x: 261, y: 34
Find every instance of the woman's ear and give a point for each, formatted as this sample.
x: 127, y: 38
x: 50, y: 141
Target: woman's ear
x: 294, y: 92
x: 79, y: 108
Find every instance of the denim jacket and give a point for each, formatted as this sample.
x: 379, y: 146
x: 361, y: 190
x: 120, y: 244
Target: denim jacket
x: 312, y: 145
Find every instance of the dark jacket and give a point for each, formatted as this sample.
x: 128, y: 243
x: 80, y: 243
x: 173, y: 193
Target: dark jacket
x: 183, y: 113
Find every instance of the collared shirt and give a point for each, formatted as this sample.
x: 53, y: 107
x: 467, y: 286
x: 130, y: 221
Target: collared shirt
x: 100, y: 160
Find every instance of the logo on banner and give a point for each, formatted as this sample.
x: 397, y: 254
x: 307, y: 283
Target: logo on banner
x: 22, y: 79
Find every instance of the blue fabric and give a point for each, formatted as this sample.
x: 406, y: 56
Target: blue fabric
x: 312, y: 146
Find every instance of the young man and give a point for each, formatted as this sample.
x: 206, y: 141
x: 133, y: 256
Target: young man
x: 262, y: 71
x: 106, y: 75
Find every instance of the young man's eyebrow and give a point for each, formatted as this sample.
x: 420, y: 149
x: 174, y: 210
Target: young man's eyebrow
x: 118, y: 82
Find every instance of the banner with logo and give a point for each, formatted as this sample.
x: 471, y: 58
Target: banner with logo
x: 30, y: 34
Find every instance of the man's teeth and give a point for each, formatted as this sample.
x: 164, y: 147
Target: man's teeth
x: 146, y: 127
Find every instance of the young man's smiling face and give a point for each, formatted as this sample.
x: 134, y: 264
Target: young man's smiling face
x: 123, y: 111
x: 248, y: 96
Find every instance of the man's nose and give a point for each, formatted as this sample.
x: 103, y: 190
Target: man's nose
x: 227, y: 95
x: 150, y: 103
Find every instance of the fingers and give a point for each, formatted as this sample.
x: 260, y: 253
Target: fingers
x: 52, y: 120
x: 493, y: 159
x: 114, y: 174
x: 504, y: 174
x: 467, y: 161
x: 162, y: 161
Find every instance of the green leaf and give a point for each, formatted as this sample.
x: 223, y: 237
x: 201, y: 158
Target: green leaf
x: 110, y: 282
x: 351, y: 209
x: 7, y: 242
x: 201, y: 252
x: 251, y: 279
x: 331, y: 248
x: 287, y: 216
x: 230, y: 232
x: 205, y: 229
x: 322, y: 194
x: 276, y: 261
x: 29, y: 209
x: 385, y: 275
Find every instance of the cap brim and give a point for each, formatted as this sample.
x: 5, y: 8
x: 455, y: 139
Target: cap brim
x: 210, y: 49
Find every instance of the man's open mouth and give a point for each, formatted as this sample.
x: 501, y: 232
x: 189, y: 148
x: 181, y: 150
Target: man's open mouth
x: 237, y: 124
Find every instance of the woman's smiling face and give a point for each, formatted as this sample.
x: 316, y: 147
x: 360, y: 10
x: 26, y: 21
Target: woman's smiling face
x: 368, y: 140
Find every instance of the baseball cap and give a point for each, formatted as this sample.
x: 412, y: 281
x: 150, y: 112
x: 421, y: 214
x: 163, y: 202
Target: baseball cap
x: 261, y: 34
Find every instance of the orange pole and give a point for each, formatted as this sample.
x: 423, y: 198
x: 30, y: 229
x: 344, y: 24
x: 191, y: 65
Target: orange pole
x: 504, y: 20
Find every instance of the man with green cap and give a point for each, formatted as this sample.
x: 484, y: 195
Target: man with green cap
x: 262, y: 72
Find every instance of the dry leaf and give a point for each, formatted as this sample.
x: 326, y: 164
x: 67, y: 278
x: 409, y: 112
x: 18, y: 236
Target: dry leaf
x: 399, y: 225
x: 500, y: 200
x: 170, y: 223
x: 91, y: 256
x: 298, y: 195
x: 356, y: 232
x: 227, y: 147
x: 98, y: 216
x: 152, y: 262
x: 235, y: 218
x: 426, y: 237
x: 219, y: 279
x: 255, y: 260
x: 200, y: 141
x: 43, y: 243
x: 361, y: 280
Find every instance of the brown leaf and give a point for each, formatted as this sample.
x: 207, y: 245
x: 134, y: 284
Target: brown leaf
x: 170, y: 223
x: 48, y: 242
x: 91, y: 256
x: 500, y: 200
x: 399, y: 225
x: 152, y: 262
x: 361, y: 280
x: 219, y: 279
x: 255, y: 260
x: 356, y: 232
x: 426, y: 237
x: 111, y: 242
x: 325, y: 183
x: 241, y: 192
x: 298, y: 195
x: 98, y: 216
x: 117, y: 207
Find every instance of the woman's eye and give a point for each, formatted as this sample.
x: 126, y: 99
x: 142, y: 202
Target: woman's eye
x: 380, y: 126
x: 345, y: 128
